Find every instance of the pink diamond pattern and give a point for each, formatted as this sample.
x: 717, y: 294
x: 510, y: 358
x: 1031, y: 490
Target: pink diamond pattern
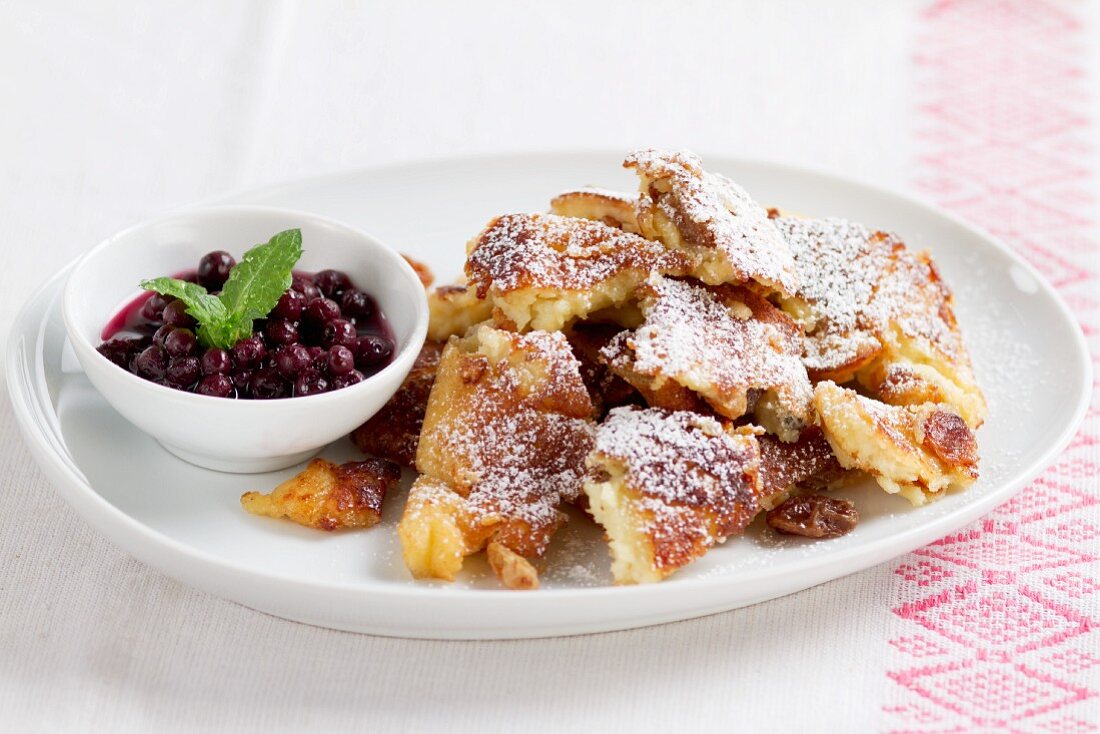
x: 990, y: 693
x: 1073, y: 532
x: 918, y: 646
x: 1074, y: 585
x: 923, y: 573
x: 995, y: 620
x: 1071, y: 661
x: 1001, y: 546
x: 998, y: 614
x: 1067, y: 725
x: 1048, y: 497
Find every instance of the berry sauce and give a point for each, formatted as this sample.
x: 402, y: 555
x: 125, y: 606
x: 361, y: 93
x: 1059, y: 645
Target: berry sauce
x: 323, y: 335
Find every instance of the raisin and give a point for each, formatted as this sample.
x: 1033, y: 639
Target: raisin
x: 948, y: 437
x: 814, y: 516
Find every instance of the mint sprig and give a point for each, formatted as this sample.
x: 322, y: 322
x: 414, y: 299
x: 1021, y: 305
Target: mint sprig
x: 254, y: 286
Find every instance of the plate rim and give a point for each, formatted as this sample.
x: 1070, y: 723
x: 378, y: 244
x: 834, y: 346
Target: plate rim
x: 103, y: 514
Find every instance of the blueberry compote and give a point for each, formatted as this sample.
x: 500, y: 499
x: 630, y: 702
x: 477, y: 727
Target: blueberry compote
x: 324, y: 334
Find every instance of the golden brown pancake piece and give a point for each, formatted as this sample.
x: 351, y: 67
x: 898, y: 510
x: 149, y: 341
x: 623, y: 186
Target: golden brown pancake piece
x: 666, y: 486
x: 808, y: 463
x: 503, y: 444
x: 724, y: 343
x: 327, y: 497
x: 542, y: 271
x: 878, y: 312
x: 613, y: 208
x: 394, y: 431
x: 917, y: 451
x: 453, y: 309
x: 606, y: 389
x: 727, y: 235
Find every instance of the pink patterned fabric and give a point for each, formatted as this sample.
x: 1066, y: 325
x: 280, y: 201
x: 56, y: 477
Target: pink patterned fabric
x: 996, y: 627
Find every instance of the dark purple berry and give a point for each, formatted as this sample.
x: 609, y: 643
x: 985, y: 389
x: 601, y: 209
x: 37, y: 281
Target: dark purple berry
x: 352, y: 378
x: 318, y: 358
x: 290, y: 306
x: 356, y: 304
x: 320, y: 311
x: 175, y: 314
x: 120, y: 351
x: 152, y: 362
x: 339, y: 331
x: 162, y: 333
x: 180, y: 342
x: 304, y: 285
x: 249, y: 352
x: 281, y: 332
x: 153, y: 307
x: 373, y: 351
x: 310, y: 383
x: 291, y: 359
x: 216, y: 361
x: 266, y: 384
x: 214, y: 269
x: 241, y: 380
x: 332, y: 282
x: 341, y: 360
x: 183, y: 371
x: 215, y: 385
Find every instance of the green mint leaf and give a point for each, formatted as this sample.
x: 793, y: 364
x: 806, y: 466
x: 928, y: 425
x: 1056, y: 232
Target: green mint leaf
x: 258, y: 281
x: 208, y: 310
x: 254, y: 286
x: 222, y: 333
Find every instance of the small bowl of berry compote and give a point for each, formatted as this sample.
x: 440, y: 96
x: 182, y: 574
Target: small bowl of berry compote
x: 244, y: 338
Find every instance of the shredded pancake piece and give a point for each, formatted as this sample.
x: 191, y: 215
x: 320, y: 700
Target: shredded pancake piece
x: 917, y: 451
x: 394, y: 431
x: 724, y: 343
x: 606, y: 389
x: 453, y: 309
x: 875, y: 311
x: 327, y: 497
x: 666, y: 486
x: 728, y: 236
x: 613, y: 208
x: 506, y: 432
x: 807, y: 464
x: 542, y: 271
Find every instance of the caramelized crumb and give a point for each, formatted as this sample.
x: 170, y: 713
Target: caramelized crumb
x: 327, y: 496
x: 513, y: 570
x: 422, y: 271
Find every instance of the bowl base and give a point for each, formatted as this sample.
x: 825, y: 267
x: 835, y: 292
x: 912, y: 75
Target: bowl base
x: 239, y: 466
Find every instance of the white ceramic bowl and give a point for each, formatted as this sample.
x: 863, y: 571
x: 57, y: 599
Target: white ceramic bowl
x: 239, y: 435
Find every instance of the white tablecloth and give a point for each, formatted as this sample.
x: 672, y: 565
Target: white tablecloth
x: 112, y: 113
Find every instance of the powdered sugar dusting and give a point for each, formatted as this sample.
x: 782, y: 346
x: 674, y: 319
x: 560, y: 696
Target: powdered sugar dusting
x: 721, y: 342
x: 547, y: 251
x: 859, y: 284
x: 713, y: 212
x: 693, y: 480
x: 517, y: 430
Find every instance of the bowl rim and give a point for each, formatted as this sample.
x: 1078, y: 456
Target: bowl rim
x: 402, y: 360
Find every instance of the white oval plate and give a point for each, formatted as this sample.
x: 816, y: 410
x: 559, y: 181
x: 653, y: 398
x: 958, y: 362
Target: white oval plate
x: 1028, y: 351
